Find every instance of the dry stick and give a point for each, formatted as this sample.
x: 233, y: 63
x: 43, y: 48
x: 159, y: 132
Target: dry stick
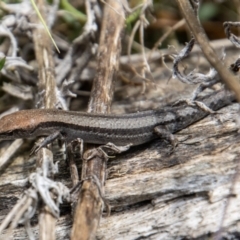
x: 89, y: 206
x: 9, y: 152
x: 46, y: 86
x: 5, y: 222
x: 199, y: 33
x: 72, y: 165
x: 237, y: 7
x: 164, y: 36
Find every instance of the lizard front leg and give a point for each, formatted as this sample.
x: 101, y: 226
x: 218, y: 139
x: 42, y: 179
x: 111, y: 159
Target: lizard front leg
x: 165, y: 134
x: 49, y: 139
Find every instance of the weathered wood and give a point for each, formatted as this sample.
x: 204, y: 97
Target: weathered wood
x: 157, y: 195
x: 184, y: 194
x: 153, y: 194
x: 46, y: 86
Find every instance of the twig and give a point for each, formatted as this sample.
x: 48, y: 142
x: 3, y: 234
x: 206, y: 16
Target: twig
x: 90, y: 204
x: 140, y: 24
x: 43, y: 51
x: 165, y: 35
x: 72, y: 166
x: 82, y: 46
x: 193, y: 22
x: 9, y: 152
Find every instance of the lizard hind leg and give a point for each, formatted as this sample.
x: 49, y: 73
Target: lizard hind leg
x: 165, y: 134
x: 104, y: 150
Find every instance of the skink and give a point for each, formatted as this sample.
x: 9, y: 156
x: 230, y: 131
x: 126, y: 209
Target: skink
x: 135, y: 129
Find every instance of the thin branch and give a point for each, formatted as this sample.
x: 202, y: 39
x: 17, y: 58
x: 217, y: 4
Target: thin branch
x: 90, y: 203
x: 46, y: 85
x: 165, y: 35
x: 194, y: 24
